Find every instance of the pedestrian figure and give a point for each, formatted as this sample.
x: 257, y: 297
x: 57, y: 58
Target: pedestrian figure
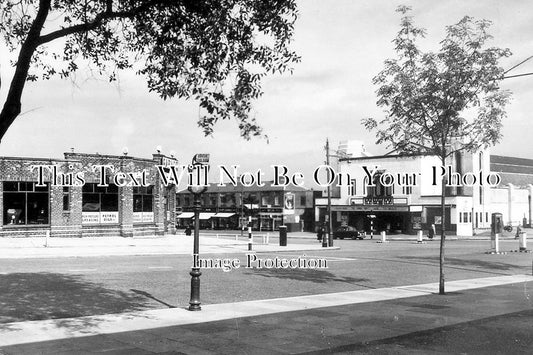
x: 431, y: 232
x: 188, y: 230
x: 518, y: 231
x: 320, y: 233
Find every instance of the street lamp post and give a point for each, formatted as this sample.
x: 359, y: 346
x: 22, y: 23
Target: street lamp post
x: 199, y: 163
x: 194, y: 302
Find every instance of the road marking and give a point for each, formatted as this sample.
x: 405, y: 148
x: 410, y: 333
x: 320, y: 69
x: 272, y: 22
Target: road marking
x: 328, y: 258
x: 81, y: 270
x: 160, y: 267
x: 54, y: 329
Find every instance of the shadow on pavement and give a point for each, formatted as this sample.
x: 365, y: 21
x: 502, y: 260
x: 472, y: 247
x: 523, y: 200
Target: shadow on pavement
x: 316, y: 276
x: 38, y: 296
x: 453, y: 261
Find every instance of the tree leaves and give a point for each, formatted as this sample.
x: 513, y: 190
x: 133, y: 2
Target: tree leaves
x: 214, y: 51
x: 428, y: 96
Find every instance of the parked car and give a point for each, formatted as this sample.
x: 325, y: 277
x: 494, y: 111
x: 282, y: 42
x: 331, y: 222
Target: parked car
x: 348, y: 232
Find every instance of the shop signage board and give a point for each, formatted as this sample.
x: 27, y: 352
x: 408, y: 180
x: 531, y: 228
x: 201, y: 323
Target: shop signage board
x: 201, y: 159
x: 99, y: 217
x: 108, y: 217
x: 288, y: 205
x: 90, y: 217
x: 143, y: 217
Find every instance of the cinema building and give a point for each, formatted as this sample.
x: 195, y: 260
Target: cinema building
x: 412, y: 203
x: 71, y: 197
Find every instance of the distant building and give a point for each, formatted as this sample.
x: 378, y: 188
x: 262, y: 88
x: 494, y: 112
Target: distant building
x: 230, y: 207
x: 74, y: 203
x: 401, y: 208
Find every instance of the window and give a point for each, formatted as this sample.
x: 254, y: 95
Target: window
x: 66, y: 198
x: 276, y: 200
x: 25, y: 203
x: 303, y: 200
x: 379, y: 190
x: 352, y: 188
x: 143, y: 197
x: 99, y: 199
x: 460, y: 217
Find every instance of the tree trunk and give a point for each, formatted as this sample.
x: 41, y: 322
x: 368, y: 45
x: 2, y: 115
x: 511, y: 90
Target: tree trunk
x: 12, y: 105
x: 443, y: 223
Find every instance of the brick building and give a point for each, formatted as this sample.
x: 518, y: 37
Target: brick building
x: 268, y: 206
x: 85, y: 195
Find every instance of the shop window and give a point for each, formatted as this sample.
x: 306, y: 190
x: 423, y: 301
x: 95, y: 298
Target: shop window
x: 25, y: 203
x: 276, y: 200
x: 99, y: 204
x: 143, y: 204
x: 303, y: 200
x: 143, y: 198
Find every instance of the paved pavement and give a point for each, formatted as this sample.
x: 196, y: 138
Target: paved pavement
x: 211, y: 242
x: 365, y: 321
x: 151, y: 245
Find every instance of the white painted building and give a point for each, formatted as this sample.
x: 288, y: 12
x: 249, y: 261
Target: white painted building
x: 412, y: 201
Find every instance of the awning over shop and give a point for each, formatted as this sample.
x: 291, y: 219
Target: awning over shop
x: 224, y: 214
x: 206, y: 215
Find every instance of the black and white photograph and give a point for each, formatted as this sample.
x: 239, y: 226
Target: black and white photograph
x: 266, y: 177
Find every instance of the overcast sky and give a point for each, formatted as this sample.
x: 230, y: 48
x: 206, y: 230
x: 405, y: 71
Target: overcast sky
x: 343, y: 44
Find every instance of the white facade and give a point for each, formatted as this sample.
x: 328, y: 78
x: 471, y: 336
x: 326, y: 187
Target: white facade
x: 412, y: 201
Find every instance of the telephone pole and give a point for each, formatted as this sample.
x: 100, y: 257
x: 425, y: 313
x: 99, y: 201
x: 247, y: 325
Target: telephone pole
x: 330, y: 222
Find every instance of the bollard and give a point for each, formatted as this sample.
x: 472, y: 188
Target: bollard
x: 217, y: 235
x: 523, y: 241
x: 236, y: 237
x: 283, y: 236
x: 46, y: 239
x: 268, y: 238
x: 496, y: 243
x: 383, y: 237
x: 419, y: 237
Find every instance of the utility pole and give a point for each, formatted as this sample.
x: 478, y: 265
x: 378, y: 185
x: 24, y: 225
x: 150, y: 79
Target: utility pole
x: 330, y: 222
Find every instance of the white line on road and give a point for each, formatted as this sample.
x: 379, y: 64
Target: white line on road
x: 328, y: 258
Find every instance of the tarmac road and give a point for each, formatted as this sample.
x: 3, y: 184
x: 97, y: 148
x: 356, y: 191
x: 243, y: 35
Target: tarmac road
x: 71, y: 287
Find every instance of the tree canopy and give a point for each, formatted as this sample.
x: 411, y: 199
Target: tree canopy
x: 441, y: 102
x: 213, y: 51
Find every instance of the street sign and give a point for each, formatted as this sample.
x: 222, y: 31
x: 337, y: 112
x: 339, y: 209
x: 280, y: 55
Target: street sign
x: 200, y: 159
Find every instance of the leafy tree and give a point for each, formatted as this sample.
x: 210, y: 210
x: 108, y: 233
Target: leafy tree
x: 213, y: 51
x: 441, y: 103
